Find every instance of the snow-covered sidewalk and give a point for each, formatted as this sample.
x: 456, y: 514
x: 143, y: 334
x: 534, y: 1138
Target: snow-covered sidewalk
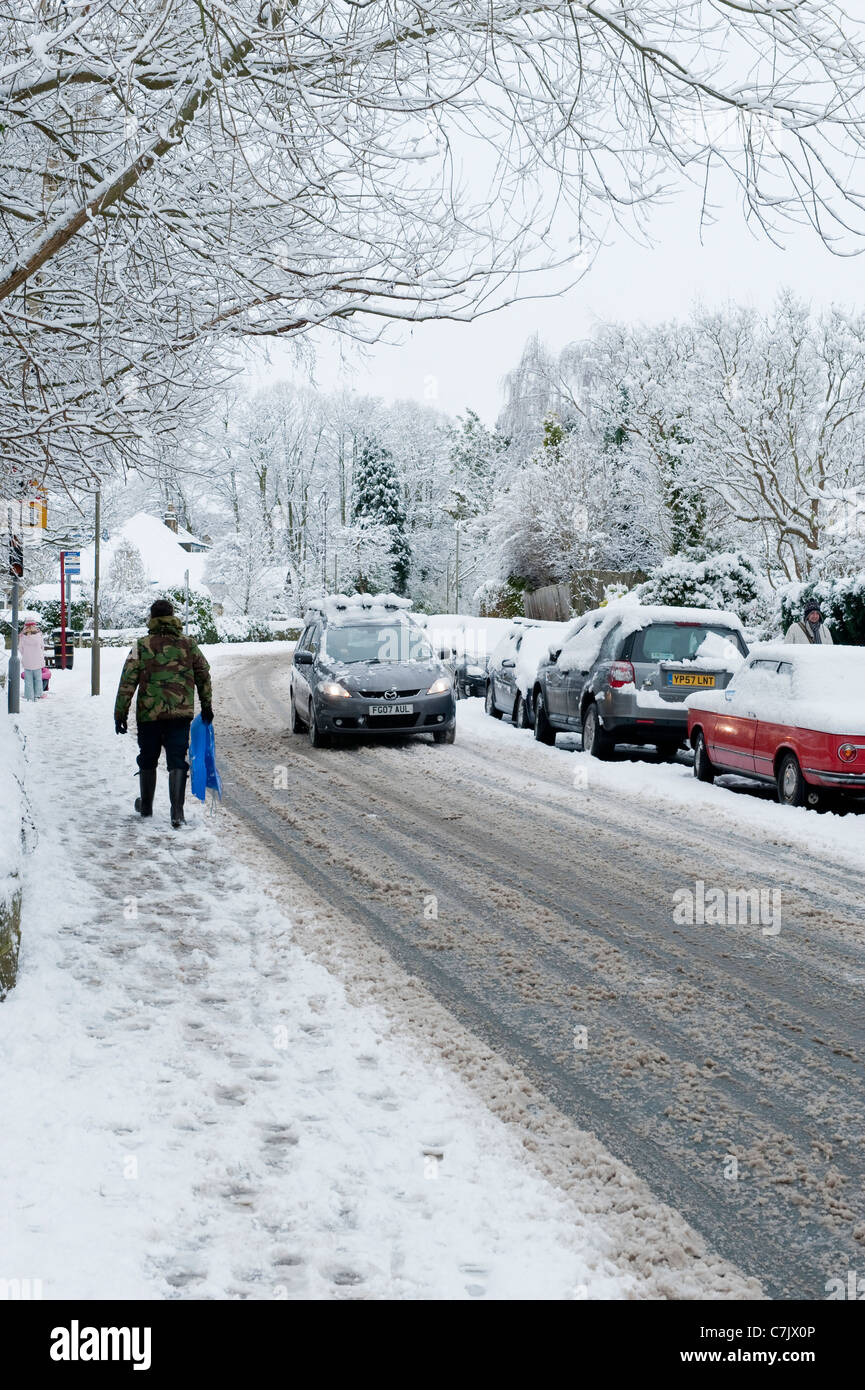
x: 192, y: 1108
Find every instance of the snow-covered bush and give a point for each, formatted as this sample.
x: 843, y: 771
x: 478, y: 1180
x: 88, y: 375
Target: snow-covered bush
x: 202, y: 624
x: 730, y: 580
x: 501, y: 598
x: 77, y: 615
x: 120, y: 607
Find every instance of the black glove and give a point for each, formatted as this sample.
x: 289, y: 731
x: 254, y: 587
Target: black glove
x: 207, y: 714
x: 120, y: 726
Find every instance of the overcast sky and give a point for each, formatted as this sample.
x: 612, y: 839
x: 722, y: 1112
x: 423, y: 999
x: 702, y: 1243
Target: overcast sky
x: 455, y: 366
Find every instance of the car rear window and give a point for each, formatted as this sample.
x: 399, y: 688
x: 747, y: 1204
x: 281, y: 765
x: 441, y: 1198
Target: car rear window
x: 679, y: 641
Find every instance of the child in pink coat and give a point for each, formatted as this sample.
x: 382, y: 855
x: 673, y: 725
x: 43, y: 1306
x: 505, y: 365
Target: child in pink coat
x: 31, y: 649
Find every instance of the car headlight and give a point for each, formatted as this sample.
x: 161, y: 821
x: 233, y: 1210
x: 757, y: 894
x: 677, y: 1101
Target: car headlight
x: 439, y: 685
x: 333, y: 690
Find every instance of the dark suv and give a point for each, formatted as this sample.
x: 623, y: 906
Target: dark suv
x: 623, y: 674
x: 368, y: 669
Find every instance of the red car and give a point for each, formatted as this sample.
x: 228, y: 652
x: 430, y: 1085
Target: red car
x: 792, y: 715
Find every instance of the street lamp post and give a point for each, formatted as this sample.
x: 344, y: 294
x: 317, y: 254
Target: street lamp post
x: 95, y: 649
x: 457, y: 569
x: 13, y: 672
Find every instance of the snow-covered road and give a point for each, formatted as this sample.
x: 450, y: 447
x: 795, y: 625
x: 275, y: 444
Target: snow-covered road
x: 194, y: 1107
x: 531, y: 892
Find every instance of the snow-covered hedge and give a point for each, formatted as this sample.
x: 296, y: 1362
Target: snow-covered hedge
x: 11, y: 848
x: 730, y: 580
x: 234, y: 628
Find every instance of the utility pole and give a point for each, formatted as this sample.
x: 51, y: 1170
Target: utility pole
x: 186, y: 601
x: 457, y: 571
x: 95, y: 650
x: 63, y: 610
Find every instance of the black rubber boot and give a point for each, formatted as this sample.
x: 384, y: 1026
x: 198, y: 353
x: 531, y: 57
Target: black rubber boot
x: 147, y: 786
x: 177, y: 793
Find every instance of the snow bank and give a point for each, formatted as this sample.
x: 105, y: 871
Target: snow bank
x: 11, y: 845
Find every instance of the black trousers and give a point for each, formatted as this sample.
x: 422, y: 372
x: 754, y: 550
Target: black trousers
x: 170, y: 734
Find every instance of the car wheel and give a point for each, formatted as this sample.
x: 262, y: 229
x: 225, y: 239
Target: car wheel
x: 596, y: 741
x: 793, y: 790
x: 703, y: 769
x: 317, y: 737
x: 445, y: 735
x: 667, y: 750
x: 490, y: 704
x: 296, y: 723
x: 544, y: 731
x: 522, y: 713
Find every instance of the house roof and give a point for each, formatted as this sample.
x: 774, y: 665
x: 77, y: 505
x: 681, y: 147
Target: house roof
x: 165, y: 560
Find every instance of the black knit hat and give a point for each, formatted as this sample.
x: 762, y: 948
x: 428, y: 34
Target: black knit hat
x: 162, y: 608
x: 812, y: 606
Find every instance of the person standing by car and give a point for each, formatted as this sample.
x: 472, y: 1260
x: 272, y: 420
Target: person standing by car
x: 811, y: 628
x: 31, y: 650
x: 165, y: 668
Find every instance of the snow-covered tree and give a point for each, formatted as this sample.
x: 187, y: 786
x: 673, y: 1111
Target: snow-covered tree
x: 377, y: 501
x: 181, y: 176
x: 541, y: 526
x: 126, y: 570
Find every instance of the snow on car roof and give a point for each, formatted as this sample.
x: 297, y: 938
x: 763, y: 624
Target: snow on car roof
x: 337, y: 608
x: 582, y: 639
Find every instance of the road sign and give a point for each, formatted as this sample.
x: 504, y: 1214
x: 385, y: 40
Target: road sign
x: 73, y: 561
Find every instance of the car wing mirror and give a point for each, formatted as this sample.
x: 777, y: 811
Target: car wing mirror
x: 303, y: 658
x: 510, y: 663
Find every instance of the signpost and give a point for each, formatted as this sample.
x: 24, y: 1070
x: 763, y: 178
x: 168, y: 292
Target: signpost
x: 70, y: 563
x: 94, y: 643
x: 63, y: 609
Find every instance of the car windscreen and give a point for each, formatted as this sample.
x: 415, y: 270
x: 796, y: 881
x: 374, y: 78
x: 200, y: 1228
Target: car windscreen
x: 377, y: 642
x: 682, y: 641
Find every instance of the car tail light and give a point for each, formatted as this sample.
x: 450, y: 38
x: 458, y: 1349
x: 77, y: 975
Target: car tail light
x: 847, y: 752
x: 621, y: 673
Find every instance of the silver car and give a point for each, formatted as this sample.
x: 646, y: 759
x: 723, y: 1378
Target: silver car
x: 619, y: 680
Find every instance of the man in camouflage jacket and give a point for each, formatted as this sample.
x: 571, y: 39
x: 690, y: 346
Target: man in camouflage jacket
x: 165, y: 668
